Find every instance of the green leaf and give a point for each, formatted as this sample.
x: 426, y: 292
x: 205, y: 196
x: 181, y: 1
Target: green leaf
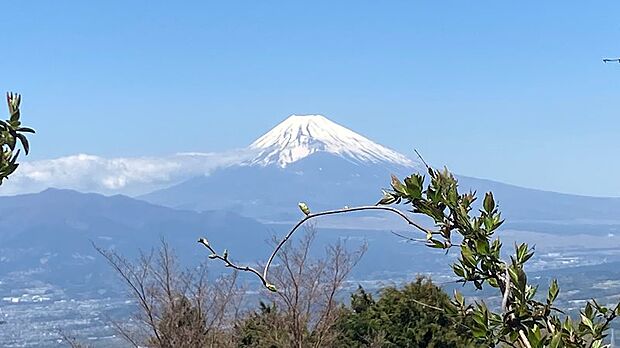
x: 458, y: 297
x: 482, y: 246
x: 397, y: 185
x: 489, y: 202
x: 434, y: 243
x: 522, y: 254
x: 458, y: 270
x: 586, y: 321
x: 25, y: 130
x: 22, y: 138
x: 468, y: 256
x: 413, y: 185
x: 514, y: 274
x: 387, y: 199
x: 588, y: 310
x: 556, y: 340
x: 535, y: 336
x: 554, y: 290
x: 527, y: 257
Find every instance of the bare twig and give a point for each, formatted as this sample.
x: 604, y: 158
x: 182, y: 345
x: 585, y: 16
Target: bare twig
x: 71, y: 341
x: 309, y: 216
x: 215, y: 256
x: 507, y: 284
x: 524, y: 339
x: 409, y: 239
x: 507, y: 289
x: 127, y: 336
x: 422, y: 159
x: 176, y: 308
x: 135, y: 281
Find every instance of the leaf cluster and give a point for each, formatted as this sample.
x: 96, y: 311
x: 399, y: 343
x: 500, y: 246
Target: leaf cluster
x: 12, y: 132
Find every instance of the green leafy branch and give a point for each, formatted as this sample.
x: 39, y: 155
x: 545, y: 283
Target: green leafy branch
x: 522, y: 320
x: 12, y: 131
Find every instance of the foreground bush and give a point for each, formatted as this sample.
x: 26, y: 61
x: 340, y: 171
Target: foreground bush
x: 411, y: 316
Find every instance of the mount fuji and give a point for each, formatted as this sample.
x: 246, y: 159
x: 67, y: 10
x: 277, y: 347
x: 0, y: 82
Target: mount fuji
x: 304, y: 158
x: 301, y: 136
x: 312, y: 159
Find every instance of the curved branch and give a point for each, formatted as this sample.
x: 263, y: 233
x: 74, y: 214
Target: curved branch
x: 335, y: 212
x: 309, y: 216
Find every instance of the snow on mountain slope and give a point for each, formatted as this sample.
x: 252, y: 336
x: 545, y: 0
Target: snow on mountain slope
x: 300, y: 136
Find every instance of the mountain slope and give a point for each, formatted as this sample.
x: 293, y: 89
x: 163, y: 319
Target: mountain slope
x: 272, y: 193
x: 51, y: 232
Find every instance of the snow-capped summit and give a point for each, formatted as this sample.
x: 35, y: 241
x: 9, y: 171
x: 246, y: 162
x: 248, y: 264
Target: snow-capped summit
x: 302, y: 135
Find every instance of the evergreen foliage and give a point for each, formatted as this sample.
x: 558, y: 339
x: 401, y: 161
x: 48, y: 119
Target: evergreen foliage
x: 402, y: 318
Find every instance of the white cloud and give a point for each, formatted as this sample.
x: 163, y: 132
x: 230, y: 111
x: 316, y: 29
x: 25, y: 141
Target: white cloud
x: 127, y: 175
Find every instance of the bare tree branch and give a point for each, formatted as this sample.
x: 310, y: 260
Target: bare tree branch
x: 176, y: 308
x: 309, y: 216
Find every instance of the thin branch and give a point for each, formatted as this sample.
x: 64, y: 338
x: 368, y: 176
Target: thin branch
x: 263, y: 277
x: 524, y: 339
x: 126, y: 335
x: 335, y: 212
x: 522, y: 336
x: 422, y: 159
x: 426, y: 305
x: 214, y: 255
x: 125, y: 270
x: 72, y: 341
x: 409, y: 239
x: 507, y: 288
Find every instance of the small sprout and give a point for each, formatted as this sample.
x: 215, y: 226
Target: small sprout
x: 388, y: 198
x: 225, y: 254
x: 213, y: 256
x: 304, y: 208
x: 271, y: 287
x: 203, y: 241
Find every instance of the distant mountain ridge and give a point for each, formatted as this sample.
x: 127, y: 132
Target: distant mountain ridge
x: 53, y: 230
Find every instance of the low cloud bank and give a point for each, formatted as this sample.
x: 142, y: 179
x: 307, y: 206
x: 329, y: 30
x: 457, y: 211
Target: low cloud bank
x: 126, y: 175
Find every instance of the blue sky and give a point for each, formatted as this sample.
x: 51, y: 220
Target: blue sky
x: 514, y: 92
